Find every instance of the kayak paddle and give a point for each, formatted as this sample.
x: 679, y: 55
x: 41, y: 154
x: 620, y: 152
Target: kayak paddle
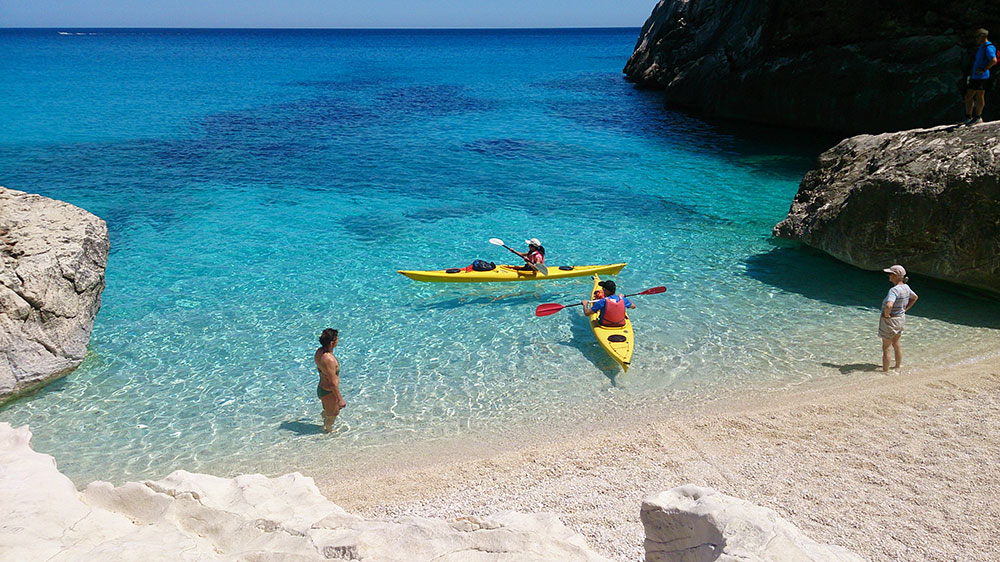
x: 539, y: 267
x: 552, y: 307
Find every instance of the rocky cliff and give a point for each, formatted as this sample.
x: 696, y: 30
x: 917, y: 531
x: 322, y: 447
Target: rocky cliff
x: 52, y: 259
x: 837, y: 65
x: 928, y: 199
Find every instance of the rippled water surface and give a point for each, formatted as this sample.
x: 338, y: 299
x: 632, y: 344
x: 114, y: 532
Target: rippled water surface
x: 260, y: 186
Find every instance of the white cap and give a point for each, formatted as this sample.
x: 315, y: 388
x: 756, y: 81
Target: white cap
x: 532, y: 242
x: 898, y: 270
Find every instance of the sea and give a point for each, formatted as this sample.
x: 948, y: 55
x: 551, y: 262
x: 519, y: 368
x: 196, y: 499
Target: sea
x: 262, y: 185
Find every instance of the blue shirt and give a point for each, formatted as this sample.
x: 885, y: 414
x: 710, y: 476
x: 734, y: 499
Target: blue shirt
x: 984, y: 54
x: 598, y: 306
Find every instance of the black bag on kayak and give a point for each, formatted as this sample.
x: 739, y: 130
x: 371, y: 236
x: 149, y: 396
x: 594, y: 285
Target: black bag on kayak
x: 481, y: 265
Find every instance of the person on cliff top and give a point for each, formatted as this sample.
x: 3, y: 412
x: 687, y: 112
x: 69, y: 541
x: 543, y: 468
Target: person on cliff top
x: 611, y: 306
x: 535, y: 253
x: 979, y: 79
x: 328, y: 389
x: 890, y: 323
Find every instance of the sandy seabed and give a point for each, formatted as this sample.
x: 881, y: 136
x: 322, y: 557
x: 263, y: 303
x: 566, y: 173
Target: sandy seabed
x: 898, y: 466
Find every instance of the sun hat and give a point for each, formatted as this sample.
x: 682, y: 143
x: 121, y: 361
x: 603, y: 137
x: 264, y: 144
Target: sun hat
x: 532, y: 242
x: 897, y: 270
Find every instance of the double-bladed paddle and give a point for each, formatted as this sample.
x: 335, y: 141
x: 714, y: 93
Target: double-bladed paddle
x: 539, y: 267
x: 552, y: 307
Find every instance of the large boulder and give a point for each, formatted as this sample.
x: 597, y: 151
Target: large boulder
x: 52, y: 259
x: 928, y: 199
x: 841, y: 65
x: 201, y: 518
x: 694, y: 524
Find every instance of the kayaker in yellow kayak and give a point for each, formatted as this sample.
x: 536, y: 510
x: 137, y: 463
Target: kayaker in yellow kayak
x: 611, y: 306
x: 535, y: 253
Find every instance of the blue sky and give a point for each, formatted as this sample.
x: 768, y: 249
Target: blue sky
x: 324, y: 13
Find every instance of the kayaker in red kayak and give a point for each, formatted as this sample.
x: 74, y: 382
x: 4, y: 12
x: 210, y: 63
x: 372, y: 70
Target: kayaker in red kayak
x: 535, y: 253
x: 611, y: 306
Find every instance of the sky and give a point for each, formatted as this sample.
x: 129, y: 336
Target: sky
x: 325, y: 13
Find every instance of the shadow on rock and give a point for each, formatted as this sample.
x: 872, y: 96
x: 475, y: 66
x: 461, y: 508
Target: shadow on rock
x: 798, y: 269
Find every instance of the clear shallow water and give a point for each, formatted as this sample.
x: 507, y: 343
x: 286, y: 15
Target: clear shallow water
x: 260, y: 186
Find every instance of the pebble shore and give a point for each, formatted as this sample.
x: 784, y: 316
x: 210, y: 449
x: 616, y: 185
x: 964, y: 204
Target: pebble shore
x: 897, y: 466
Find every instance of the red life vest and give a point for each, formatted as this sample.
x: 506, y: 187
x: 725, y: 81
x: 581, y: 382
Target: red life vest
x: 614, y: 313
x: 536, y: 257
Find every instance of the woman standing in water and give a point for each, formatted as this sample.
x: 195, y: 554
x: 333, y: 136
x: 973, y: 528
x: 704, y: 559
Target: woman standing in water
x: 893, y: 317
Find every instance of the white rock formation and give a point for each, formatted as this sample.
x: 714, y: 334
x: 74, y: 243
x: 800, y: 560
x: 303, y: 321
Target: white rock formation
x: 694, y: 524
x: 195, y: 517
x: 52, y: 259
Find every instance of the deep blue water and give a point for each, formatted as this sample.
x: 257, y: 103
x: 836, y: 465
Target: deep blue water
x: 260, y: 186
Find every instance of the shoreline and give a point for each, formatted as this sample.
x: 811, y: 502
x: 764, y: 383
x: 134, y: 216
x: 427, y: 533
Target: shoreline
x: 891, y: 466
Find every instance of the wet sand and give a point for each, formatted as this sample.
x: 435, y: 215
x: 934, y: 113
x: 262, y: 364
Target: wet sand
x: 903, y: 466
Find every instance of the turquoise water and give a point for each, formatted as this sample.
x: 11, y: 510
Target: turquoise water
x: 260, y: 186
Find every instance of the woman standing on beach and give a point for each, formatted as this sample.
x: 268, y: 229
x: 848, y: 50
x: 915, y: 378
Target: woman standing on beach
x: 893, y: 317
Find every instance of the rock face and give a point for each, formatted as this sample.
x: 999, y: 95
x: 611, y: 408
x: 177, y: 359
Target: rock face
x: 52, y: 259
x: 928, y: 199
x: 694, y: 524
x: 839, y: 66
x: 248, y: 518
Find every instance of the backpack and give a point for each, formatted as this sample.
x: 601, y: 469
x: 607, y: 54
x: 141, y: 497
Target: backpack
x: 481, y: 265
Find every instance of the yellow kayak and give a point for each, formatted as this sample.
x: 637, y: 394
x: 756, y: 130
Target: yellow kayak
x: 510, y: 273
x: 617, y: 341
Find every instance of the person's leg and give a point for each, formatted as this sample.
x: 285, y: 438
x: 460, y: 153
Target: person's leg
x: 886, y: 345
x: 330, y: 410
x: 968, y: 104
x: 898, y: 349
x: 979, y: 102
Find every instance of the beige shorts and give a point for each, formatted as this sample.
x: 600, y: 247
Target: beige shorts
x: 891, y: 327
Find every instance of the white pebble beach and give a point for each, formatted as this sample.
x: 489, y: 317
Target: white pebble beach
x: 897, y: 466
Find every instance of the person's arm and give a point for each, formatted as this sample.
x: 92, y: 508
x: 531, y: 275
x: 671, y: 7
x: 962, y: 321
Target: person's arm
x: 330, y: 379
x: 911, y: 302
x: 628, y: 303
x: 990, y: 61
x: 887, y: 305
x: 336, y: 392
x: 590, y: 307
x: 336, y: 381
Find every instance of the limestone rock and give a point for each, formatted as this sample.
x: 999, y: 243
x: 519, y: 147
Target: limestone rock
x: 52, y: 260
x: 694, y: 524
x: 197, y: 517
x: 838, y: 66
x: 928, y: 199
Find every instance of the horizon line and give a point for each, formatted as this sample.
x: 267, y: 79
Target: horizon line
x: 335, y: 28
